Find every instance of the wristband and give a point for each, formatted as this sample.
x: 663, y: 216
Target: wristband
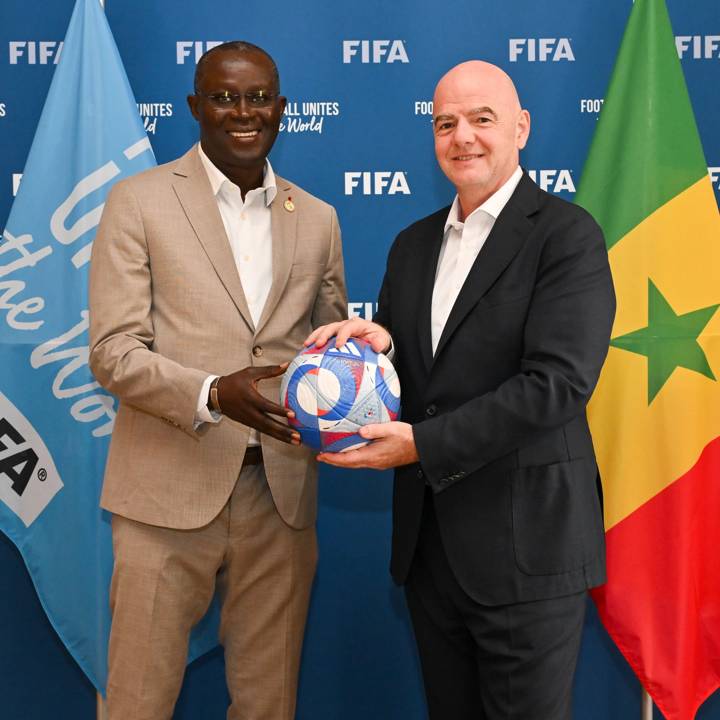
x: 213, y: 402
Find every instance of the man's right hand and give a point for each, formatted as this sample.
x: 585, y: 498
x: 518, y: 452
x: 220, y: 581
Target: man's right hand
x: 240, y: 400
x: 376, y: 335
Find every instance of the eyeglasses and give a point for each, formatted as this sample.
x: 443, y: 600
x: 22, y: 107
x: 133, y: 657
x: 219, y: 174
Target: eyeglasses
x: 254, y: 98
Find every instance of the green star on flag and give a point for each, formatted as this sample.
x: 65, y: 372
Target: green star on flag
x: 669, y: 341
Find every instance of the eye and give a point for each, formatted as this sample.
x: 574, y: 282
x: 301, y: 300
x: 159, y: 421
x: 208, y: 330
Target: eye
x: 224, y: 98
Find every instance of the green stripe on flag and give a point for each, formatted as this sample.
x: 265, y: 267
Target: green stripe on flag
x: 646, y: 148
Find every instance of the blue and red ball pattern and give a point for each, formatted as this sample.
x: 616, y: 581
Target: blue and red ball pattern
x: 335, y: 391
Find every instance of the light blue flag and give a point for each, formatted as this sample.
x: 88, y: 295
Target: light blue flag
x: 55, y: 420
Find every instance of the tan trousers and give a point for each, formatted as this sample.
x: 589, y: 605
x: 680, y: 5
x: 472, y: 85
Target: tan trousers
x: 163, y: 582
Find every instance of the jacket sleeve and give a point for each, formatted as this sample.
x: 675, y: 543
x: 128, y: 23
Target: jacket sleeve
x: 121, y: 326
x: 331, y: 301
x: 383, y: 315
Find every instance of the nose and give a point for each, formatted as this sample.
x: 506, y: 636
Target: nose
x: 241, y: 106
x: 463, y: 133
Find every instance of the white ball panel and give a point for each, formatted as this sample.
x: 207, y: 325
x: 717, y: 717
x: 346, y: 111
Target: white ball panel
x: 393, y: 384
x: 328, y: 386
x: 307, y: 397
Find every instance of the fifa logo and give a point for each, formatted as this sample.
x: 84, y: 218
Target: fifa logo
x: 19, y: 461
x: 194, y: 48
x: 541, y: 49
x: 28, y: 477
x: 364, y: 310
x: 698, y: 47
x: 35, y: 52
x: 714, y: 173
x: 375, y: 51
x: 554, y: 181
x: 377, y: 183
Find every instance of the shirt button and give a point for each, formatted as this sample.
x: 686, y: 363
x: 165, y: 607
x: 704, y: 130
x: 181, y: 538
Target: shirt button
x: 257, y: 351
x: 430, y: 410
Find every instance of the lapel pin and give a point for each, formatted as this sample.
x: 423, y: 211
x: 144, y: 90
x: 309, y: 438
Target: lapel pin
x: 289, y: 205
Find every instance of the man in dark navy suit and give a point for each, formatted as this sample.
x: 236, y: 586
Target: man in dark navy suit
x: 498, y: 310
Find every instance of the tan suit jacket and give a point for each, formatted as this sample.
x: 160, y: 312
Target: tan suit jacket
x: 167, y: 309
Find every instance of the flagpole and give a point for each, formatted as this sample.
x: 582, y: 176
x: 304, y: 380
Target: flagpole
x: 647, y: 706
x: 100, y: 709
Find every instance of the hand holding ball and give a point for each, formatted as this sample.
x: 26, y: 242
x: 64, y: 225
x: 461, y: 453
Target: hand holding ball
x: 335, y: 391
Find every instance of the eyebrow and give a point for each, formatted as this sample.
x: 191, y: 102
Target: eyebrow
x: 474, y: 111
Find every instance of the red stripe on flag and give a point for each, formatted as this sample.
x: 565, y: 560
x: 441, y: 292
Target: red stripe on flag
x: 661, y: 604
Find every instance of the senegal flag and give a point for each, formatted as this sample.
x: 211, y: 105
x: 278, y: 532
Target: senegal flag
x: 655, y: 415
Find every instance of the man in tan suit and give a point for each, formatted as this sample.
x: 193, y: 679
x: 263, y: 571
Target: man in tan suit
x: 202, y: 266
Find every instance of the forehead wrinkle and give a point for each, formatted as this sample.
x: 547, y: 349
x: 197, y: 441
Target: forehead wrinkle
x: 480, y: 110
x: 485, y: 109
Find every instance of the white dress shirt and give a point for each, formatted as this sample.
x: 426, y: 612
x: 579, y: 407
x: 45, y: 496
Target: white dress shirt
x: 461, y: 244
x: 248, y: 227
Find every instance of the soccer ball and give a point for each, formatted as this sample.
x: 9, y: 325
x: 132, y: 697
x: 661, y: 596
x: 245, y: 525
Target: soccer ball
x: 335, y: 391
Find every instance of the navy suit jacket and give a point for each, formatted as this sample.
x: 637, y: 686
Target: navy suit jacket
x: 498, y: 412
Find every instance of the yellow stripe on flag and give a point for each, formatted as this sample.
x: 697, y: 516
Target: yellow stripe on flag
x: 671, y: 247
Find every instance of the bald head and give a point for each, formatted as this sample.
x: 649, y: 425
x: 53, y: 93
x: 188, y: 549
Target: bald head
x: 479, y: 129
x: 475, y: 76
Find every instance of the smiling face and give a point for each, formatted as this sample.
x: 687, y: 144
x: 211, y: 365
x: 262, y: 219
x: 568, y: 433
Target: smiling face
x: 479, y: 129
x: 237, y: 137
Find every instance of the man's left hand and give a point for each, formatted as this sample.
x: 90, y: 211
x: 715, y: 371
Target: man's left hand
x: 393, y: 445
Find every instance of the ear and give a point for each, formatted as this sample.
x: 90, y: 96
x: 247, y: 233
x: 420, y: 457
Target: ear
x: 192, y: 101
x: 522, y: 130
x: 282, y: 101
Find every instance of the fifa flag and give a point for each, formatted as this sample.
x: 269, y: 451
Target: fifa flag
x: 55, y: 420
x: 655, y: 415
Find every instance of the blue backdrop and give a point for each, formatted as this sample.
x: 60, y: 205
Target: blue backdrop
x: 359, y: 80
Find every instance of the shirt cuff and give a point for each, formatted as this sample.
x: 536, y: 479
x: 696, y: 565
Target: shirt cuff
x: 390, y: 352
x: 202, y: 413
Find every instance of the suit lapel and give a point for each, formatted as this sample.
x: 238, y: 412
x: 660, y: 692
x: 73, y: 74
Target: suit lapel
x: 428, y: 265
x: 193, y: 190
x: 504, y: 241
x: 284, y: 237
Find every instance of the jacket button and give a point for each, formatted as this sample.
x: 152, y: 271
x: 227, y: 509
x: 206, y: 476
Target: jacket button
x: 430, y: 410
x: 420, y: 474
x: 257, y: 351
